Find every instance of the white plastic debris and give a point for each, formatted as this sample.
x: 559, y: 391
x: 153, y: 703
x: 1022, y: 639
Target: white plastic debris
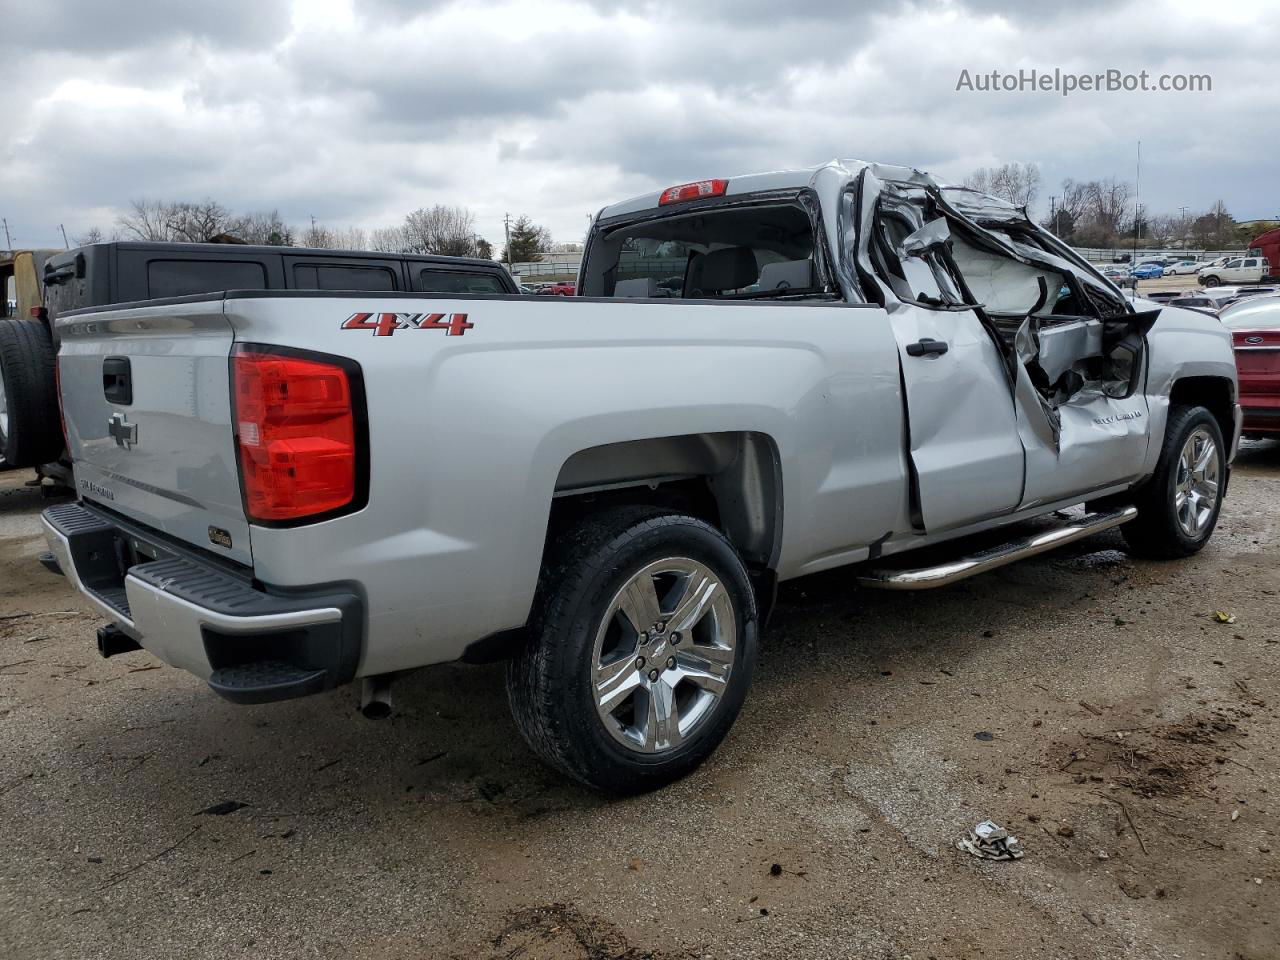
x: 990, y: 841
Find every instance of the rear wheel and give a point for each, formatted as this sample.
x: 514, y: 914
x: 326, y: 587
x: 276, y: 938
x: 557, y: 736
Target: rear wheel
x: 30, y: 433
x: 1178, y: 508
x: 640, y: 652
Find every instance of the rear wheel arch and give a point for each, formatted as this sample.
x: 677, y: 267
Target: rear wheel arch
x: 732, y: 480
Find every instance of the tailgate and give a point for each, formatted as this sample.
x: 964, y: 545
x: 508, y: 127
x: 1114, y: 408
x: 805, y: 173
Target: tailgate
x: 1257, y: 360
x: 147, y: 402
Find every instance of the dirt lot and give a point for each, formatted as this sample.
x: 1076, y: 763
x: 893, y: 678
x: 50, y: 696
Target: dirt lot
x: 1088, y: 701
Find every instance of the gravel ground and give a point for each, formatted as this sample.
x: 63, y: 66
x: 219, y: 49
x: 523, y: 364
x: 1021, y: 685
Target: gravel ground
x: 1089, y: 702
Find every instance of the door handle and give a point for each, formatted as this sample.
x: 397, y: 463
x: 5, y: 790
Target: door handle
x: 927, y: 346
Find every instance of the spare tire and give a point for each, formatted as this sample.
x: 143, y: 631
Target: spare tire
x: 30, y: 426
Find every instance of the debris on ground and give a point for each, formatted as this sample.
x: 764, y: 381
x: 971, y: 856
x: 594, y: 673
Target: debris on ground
x: 990, y: 841
x: 1223, y: 617
x: 223, y: 808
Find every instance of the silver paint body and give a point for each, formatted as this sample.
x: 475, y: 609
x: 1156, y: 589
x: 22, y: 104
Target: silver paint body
x: 797, y: 409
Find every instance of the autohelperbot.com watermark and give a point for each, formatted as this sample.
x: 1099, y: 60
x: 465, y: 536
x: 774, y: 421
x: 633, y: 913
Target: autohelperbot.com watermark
x: 1067, y: 82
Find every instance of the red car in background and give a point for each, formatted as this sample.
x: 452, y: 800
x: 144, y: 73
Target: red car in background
x: 561, y: 288
x: 1255, y: 332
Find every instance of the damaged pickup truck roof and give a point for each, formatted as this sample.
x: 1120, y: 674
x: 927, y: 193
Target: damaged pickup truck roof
x: 1062, y: 328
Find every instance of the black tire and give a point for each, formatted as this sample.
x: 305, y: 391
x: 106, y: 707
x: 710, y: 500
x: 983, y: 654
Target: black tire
x: 550, y: 680
x: 34, y: 433
x: 1156, y: 532
x: 1210, y: 281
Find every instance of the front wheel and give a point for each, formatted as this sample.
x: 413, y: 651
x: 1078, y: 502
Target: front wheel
x: 640, y: 650
x: 1210, y: 281
x: 1178, y: 508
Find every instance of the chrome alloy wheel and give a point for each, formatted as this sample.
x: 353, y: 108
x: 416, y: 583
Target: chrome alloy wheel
x: 663, y: 654
x: 4, y: 411
x: 1195, y: 491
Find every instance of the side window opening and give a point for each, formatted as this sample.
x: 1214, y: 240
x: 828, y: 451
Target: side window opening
x: 335, y: 276
x: 745, y: 252
x: 181, y: 278
x: 446, y: 281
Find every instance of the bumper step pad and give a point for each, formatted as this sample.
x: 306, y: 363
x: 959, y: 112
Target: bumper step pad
x: 266, y: 681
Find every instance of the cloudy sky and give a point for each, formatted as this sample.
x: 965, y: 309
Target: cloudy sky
x: 356, y: 111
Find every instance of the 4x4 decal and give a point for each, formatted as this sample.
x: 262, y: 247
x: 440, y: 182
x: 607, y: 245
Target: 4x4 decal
x: 385, y: 324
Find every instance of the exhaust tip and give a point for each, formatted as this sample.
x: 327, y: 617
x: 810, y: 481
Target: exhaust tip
x: 375, y: 697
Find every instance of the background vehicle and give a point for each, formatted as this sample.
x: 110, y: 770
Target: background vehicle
x: 1117, y: 275
x: 1182, y: 266
x: 1147, y: 271
x: 1195, y: 299
x: 1268, y: 246
x: 1235, y: 270
x: 284, y: 491
x: 1255, y: 333
x: 53, y: 282
x: 561, y: 288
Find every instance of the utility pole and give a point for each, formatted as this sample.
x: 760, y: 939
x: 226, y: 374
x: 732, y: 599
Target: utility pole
x: 1137, y: 203
x: 65, y: 242
x: 506, y: 226
x: 8, y: 244
x: 1053, y: 215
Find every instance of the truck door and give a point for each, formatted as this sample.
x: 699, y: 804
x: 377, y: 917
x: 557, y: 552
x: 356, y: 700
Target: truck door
x: 964, y: 443
x: 1076, y: 352
x: 965, y: 455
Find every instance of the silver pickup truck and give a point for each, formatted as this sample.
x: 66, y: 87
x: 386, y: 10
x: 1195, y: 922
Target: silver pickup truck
x: 760, y: 378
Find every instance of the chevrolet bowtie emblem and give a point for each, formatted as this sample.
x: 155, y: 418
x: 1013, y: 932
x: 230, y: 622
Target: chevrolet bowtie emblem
x: 126, y: 434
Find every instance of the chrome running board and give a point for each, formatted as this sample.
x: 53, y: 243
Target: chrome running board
x: 943, y: 574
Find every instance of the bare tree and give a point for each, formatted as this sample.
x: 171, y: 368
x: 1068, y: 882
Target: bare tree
x: 266, y: 227
x: 319, y: 236
x: 92, y: 235
x: 1019, y: 183
x: 1163, y: 229
x: 1109, y: 204
x: 147, y: 220
x: 350, y: 238
x: 445, y: 230
x: 1215, y: 228
x: 389, y: 240
x: 979, y: 180
x: 181, y: 221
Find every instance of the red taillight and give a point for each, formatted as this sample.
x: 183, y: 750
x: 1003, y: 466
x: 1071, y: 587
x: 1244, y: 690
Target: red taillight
x: 693, y: 191
x: 296, y: 435
x: 39, y: 313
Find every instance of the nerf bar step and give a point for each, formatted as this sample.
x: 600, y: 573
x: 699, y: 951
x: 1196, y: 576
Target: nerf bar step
x: 943, y: 574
